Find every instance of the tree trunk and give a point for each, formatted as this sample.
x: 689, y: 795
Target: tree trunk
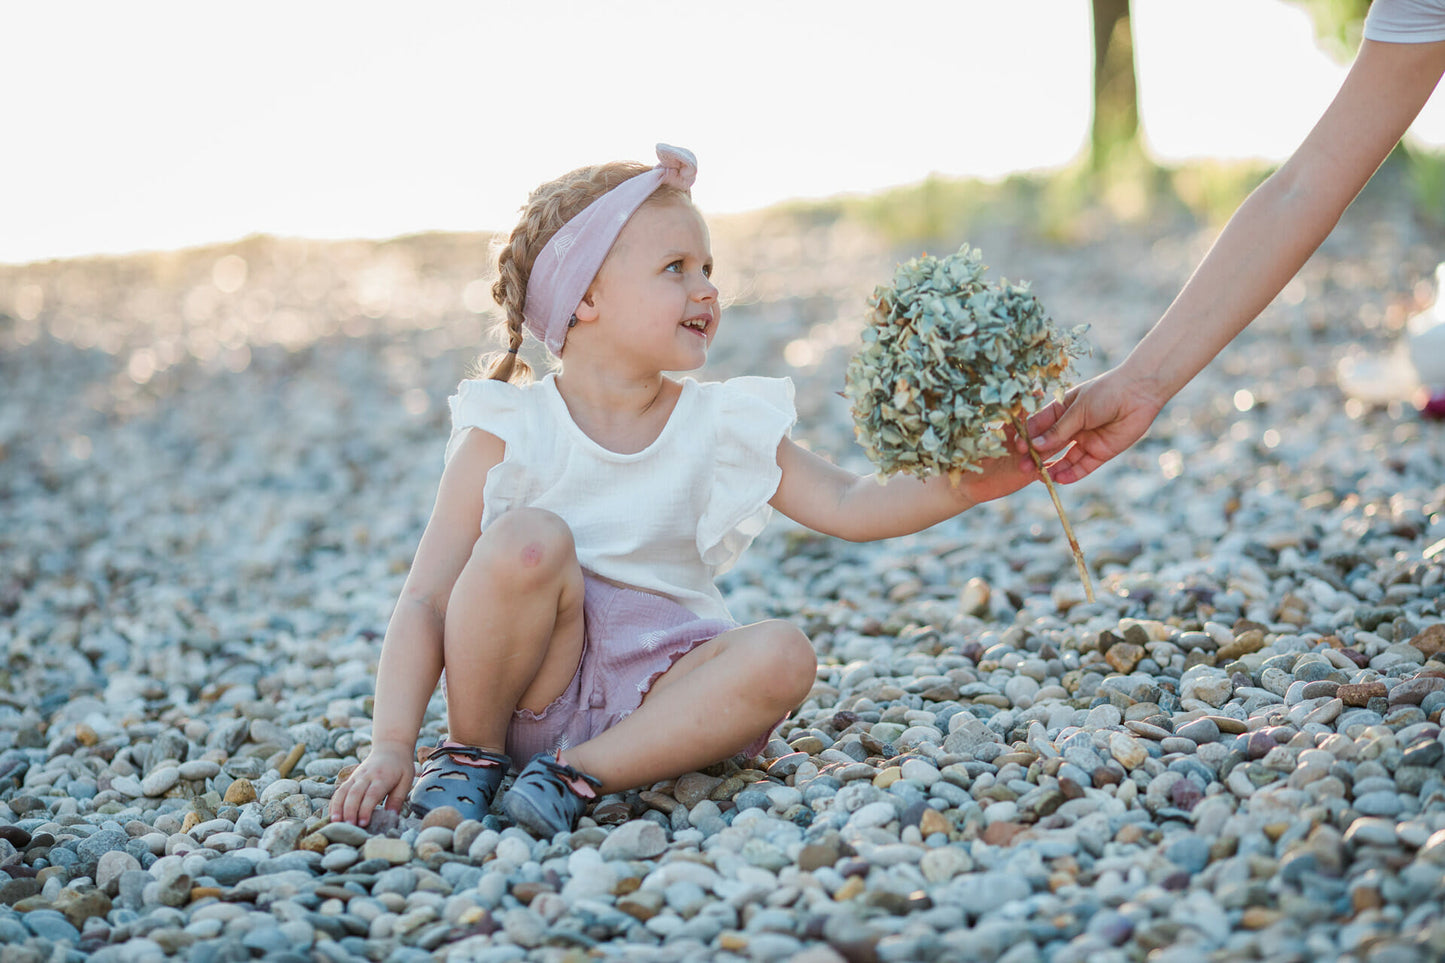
x: 1115, y: 129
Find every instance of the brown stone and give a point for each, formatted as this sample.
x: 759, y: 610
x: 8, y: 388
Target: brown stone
x: 729, y: 787
x: 1431, y: 641
x: 692, y: 788
x: 933, y: 822
x: 1107, y: 776
x: 943, y: 692
x: 812, y: 745
x: 1129, y: 833
x: 79, y: 905
x: 660, y: 801
x: 1002, y: 833
x: 611, y: 813
x: 852, y: 887
x: 448, y: 817
x: 1124, y: 656
x: 1366, y: 898
x: 528, y: 891
x: 240, y: 792
x: 199, y: 893
x: 1259, y: 917
x: 314, y: 843
x: 1275, y: 830
x: 1229, y: 726
x: 817, y: 855
x: 292, y: 758
x: 641, y: 905
x: 192, y: 820
x: 32, y: 903
x: 1250, y: 640
x: 1360, y: 693
x: 1413, y: 691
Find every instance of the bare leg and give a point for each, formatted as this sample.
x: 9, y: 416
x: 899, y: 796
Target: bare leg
x: 513, y: 633
x: 711, y: 703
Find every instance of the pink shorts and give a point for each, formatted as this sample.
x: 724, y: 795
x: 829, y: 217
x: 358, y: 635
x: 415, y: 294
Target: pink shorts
x: 631, y: 638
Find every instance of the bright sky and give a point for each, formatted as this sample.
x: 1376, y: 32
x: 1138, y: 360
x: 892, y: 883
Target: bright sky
x: 166, y: 124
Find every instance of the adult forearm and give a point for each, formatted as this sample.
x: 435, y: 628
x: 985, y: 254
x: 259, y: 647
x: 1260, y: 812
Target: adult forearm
x: 407, y: 673
x: 1264, y: 245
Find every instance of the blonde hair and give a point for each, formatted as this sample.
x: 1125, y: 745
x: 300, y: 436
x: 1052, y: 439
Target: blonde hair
x: 548, y: 208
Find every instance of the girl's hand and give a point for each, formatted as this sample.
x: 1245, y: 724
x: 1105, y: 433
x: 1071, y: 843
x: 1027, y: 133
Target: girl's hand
x: 999, y: 477
x: 386, y: 774
x: 1096, y: 421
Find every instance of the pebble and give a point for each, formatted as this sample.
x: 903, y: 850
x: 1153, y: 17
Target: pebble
x: 1241, y: 730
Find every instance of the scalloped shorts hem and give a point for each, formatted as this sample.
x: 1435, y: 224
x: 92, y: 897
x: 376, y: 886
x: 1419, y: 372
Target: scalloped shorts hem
x: 631, y: 639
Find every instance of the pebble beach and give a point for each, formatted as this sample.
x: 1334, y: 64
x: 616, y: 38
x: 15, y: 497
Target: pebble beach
x: 215, y: 465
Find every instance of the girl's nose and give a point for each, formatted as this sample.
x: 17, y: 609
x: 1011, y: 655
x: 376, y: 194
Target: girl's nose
x: 707, y: 291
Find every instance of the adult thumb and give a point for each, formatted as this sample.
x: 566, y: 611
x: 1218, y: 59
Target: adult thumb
x: 1058, y: 431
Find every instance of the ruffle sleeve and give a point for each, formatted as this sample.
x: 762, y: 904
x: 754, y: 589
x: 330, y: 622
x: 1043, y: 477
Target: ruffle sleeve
x: 752, y: 416
x: 493, y: 406
x: 501, y: 409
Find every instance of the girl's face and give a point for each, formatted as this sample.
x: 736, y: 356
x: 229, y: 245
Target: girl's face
x: 653, y: 300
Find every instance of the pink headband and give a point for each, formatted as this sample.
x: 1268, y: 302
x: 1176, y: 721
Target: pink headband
x: 570, y: 260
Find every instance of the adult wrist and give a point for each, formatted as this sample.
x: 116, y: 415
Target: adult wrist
x: 1147, y: 379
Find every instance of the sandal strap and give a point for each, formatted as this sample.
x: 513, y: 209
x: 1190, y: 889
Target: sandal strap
x: 484, y: 756
x: 581, y: 783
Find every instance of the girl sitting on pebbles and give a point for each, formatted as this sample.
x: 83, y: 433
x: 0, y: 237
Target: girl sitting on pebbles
x: 565, y: 579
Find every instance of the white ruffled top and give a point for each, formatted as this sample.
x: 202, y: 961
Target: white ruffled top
x: 668, y: 519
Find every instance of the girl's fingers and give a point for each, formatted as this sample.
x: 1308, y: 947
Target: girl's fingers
x: 372, y: 798
x: 339, y: 801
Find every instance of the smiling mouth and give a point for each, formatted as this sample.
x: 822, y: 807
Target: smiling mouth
x: 698, y: 325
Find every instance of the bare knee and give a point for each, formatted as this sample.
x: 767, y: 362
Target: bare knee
x: 525, y: 547
x: 786, y: 664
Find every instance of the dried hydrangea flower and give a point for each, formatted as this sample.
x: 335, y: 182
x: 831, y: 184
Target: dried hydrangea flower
x: 948, y: 360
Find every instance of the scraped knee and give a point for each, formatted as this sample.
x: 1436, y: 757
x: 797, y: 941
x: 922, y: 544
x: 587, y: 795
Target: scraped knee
x: 526, y: 544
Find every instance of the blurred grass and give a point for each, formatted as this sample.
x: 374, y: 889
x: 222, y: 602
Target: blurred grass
x: 1062, y: 206
x: 1427, y: 184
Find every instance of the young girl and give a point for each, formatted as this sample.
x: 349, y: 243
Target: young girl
x: 565, y: 579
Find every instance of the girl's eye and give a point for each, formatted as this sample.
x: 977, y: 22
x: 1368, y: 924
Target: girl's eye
x: 675, y: 266
x: 707, y: 270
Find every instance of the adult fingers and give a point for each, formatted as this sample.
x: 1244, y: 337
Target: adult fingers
x: 1057, y: 425
x: 1073, y: 465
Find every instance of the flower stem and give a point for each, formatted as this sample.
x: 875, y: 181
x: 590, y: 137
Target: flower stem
x: 1059, y: 507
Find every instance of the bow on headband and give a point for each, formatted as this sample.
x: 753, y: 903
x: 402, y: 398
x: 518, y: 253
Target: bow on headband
x: 571, y: 258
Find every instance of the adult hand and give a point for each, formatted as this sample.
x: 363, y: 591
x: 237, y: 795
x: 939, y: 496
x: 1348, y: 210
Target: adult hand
x: 386, y: 774
x: 1096, y: 421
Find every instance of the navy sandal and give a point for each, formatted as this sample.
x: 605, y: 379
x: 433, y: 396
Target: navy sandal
x: 549, y: 796
x: 469, y: 789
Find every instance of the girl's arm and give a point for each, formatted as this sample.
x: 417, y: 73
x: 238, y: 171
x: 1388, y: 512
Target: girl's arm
x: 411, y: 653
x: 1264, y: 244
x: 828, y: 499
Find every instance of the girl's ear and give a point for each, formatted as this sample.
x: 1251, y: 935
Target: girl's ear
x: 586, y: 311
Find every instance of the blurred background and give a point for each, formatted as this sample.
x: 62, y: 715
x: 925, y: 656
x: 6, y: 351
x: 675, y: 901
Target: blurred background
x: 176, y: 124
x: 184, y: 185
